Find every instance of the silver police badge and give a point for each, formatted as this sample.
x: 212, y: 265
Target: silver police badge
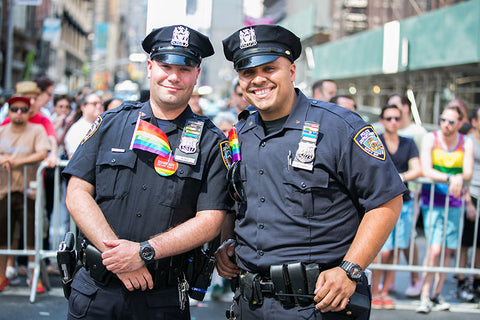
x: 180, y: 36
x: 305, y: 152
x: 188, y: 144
x: 247, y: 38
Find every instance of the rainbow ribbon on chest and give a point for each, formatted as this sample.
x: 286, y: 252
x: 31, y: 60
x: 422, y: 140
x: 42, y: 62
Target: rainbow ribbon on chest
x: 234, y: 145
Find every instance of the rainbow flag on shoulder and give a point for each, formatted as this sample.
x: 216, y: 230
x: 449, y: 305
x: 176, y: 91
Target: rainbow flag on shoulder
x: 149, y: 138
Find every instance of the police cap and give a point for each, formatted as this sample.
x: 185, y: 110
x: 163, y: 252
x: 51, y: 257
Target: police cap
x: 178, y: 44
x: 260, y: 44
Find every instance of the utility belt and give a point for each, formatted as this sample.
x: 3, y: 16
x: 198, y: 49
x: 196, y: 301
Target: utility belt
x: 293, y: 285
x: 165, y: 273
x: 191, y: 272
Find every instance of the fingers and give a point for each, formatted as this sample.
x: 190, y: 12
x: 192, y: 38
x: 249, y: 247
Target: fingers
x: 333, y: 290
x: 225, y: 266
x: 140, y: 279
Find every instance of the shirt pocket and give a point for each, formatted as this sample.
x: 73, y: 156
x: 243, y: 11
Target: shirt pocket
x: 184, y: 189
x: 114, y: 174
x: 307, y: 193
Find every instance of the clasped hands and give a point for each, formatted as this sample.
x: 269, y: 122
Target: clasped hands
x: 123, y: 259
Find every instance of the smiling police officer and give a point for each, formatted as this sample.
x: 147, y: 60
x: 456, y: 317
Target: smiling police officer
x: 147, y: 185
x: 320, y: 195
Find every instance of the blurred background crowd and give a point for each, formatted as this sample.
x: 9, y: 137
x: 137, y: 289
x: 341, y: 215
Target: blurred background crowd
x: 75, y: 59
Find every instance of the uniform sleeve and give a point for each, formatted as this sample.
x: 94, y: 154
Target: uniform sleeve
x: 213, y: 195
x: 83, y: 162
x: 369, y: 174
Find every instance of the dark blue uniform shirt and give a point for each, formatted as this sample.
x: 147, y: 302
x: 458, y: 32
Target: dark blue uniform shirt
x: 137, y: 202
x: 310, y: 216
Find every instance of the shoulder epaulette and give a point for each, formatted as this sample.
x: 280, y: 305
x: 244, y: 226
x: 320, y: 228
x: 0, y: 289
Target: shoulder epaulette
x: 246, y: 113
x: 128, y: 105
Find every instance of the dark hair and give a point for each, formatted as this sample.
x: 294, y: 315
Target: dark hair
x: 43, y: 83
x: 346, y: 96
x: 389, y: 106
x: 456, y: 108
x: 319, y: 84
x: 403, y: 98
x: 82, y: 99
x: 474, y: 114
x: 57, y: 98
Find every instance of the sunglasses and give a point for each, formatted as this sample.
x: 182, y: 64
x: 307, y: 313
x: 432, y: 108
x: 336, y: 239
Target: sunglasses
x: 22, y: 109
x: 392, y: 118
x: 235, y: 186
x: 450, y: 122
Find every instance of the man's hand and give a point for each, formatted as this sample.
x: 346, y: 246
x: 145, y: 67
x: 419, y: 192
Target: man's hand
x: 471, y: 211
x: 122, y: 257
x: 456, y: 186
x: 333, y: 290
x: 225, y: 267
x: 52, y: 160
x: 138, y: 279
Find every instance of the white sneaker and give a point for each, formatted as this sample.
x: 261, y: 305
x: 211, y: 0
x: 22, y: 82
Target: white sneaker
x: 414, y: 290
x: 439, y: 304
x: 425, y: 305
x: 12, y: 276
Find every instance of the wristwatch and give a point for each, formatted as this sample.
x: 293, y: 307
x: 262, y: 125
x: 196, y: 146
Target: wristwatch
x: 147, y: 253
x: 354, y: 271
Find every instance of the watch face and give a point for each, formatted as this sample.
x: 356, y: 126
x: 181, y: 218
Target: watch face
x: 147, y: 253
x: 356, y: 272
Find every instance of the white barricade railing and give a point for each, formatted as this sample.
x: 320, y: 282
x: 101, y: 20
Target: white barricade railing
x: 56, y: 231
x: 421, y: 266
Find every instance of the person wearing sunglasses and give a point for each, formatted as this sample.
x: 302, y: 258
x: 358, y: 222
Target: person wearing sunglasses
x: 447, y: 158
x: 405, y: 156
x: 312, y: 183
x: 21, y: 143
x: 408, y: 128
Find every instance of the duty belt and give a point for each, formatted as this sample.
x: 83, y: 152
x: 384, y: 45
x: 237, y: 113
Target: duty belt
x: 293, y: 285
x: 165, y: 272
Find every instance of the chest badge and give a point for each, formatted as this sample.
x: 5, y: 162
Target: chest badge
x: 188, y: 149
x: 305, y: 155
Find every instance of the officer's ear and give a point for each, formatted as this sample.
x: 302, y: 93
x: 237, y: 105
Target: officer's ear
x: 149, y: 68
x: 198, y: 73
x: 293, y: 67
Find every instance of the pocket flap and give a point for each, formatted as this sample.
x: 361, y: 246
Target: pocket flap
x: 84, y: 287
x: 126, y: 159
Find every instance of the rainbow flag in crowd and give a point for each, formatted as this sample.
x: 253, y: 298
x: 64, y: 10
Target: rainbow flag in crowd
x: 149, y: 138
x: 233, y: 139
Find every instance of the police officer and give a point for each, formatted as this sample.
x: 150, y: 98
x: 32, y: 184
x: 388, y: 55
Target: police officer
x: 143, y: 208
x: 314, y: 186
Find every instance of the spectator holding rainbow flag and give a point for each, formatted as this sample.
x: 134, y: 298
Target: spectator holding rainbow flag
x: 147, y: 185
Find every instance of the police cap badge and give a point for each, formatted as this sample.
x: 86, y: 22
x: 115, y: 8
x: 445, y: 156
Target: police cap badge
x: 260, y: 44
x: 178, y: 45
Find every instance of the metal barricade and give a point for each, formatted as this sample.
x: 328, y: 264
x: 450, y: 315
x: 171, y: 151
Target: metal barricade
x: 39, y: 252
x: 422, y: 267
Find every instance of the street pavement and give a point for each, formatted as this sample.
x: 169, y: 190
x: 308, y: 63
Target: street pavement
x: 14, y: 304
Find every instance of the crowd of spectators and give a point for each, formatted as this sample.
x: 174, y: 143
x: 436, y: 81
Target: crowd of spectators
x: 62, y: 120
x: 65, y: 120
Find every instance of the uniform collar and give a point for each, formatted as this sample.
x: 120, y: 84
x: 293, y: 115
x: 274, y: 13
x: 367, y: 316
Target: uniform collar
x: 178, y: 122
x: 295, y: 119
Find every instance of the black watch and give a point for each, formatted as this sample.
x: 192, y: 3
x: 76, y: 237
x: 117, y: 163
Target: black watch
x: 354, y: 271
x: 147, y: 253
